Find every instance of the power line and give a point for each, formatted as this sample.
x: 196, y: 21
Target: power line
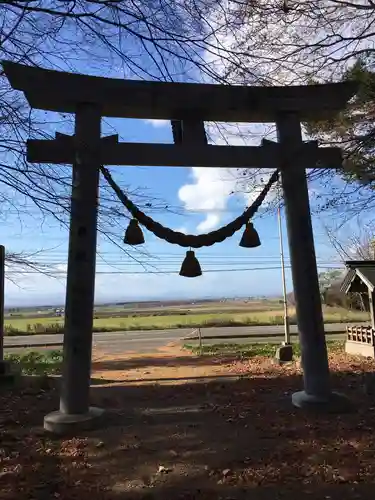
x: 124, y: 266
x: 208, y: 262
x: 47, y: 237
x: 171, y: 260
x: 178, y: 256
x: 173, y: 272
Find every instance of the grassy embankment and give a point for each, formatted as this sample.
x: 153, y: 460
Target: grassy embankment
x: 251, y: 350
x: 25, y: 326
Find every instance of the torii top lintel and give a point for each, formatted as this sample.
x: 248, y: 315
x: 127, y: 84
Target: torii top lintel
x: 61, y: 91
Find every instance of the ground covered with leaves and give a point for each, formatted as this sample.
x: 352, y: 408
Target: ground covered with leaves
x: 207, y: 437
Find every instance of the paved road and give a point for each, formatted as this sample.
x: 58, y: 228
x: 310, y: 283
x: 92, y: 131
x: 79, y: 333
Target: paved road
x: 149, y: 341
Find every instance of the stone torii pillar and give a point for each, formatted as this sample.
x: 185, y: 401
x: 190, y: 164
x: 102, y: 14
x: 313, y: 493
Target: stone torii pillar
x: 317, y: 389
x: 75, y: 411
x: 80, y: 287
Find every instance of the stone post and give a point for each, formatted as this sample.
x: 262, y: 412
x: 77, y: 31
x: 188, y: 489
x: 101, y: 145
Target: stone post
x: 6, y: 374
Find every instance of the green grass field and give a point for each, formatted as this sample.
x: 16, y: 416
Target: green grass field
x: 251, y: 350
x: 16, y: 326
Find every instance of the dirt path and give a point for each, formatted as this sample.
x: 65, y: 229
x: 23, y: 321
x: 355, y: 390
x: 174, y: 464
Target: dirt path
x: 172, y: 365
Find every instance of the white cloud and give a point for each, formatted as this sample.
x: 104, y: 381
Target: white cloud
x: 211, y: 188
x: 209, y: 191
x: 63, y: 267
x: 210, y: 222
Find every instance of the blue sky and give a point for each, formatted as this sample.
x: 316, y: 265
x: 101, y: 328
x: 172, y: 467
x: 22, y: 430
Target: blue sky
x: 204, y: 203
x: 202, y: 196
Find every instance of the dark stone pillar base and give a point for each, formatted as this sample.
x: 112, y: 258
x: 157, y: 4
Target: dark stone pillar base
x: 284, y: 354
x: 63, y: 423
x: 334, y: 403
x: 7, y: 375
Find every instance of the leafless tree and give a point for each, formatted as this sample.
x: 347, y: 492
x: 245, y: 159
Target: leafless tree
x: 294, y: 42
x: 252, y: 42
x: 134, y: 39
x: 19, y: 263
x: 356, y: 245
x: 311, y: 38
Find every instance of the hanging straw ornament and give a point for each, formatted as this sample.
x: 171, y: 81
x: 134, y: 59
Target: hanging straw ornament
x: 133, y: 234
x: 190, y: 267
x: 250, y: 237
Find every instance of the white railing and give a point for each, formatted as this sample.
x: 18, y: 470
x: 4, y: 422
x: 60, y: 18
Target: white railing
x: 361, y: 334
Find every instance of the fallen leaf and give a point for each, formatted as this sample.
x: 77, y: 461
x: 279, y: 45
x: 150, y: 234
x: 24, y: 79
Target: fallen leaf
x: 164, y: 470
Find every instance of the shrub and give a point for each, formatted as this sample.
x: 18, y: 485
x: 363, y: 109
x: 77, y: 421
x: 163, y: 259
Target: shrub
x: 54, y: 328
x: 277, y: 320
x: 250, y: 321
x: 37, y: 363
x: 10, y: 330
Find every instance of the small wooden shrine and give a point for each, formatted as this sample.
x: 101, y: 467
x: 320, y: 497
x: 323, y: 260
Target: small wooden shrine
x: 360, y: 278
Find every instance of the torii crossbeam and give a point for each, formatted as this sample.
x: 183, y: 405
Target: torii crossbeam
x: 90, y: 98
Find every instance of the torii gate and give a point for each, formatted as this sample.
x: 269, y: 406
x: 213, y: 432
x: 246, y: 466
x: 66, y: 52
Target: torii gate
x: 90, y: 98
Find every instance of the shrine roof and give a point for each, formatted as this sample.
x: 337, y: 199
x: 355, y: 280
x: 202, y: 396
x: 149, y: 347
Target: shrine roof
x: 363, y: 271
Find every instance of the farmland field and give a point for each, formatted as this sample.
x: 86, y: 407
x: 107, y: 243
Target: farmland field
x: 214, y: 314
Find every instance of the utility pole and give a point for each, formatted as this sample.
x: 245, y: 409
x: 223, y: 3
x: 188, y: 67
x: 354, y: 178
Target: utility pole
x: 284, y: 353
x: 285, y: 301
